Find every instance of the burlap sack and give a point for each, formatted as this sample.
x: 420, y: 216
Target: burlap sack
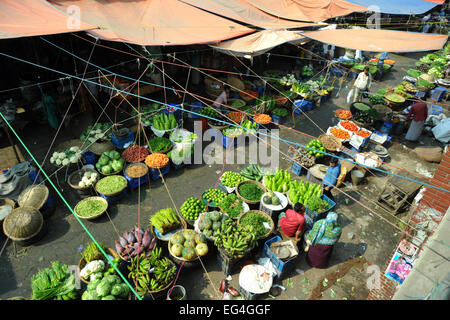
x: 430, y: 154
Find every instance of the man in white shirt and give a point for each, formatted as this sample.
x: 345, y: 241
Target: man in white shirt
x: 362, y: 84
x: 222, y: 99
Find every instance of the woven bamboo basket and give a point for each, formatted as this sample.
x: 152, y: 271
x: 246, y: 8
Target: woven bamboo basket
x: 236, y: 84
x: 33, y: 196
x: 99, y: 147
x: 337, y: 142
x: 181, y: 260
x: 95, y: 216
x: 249, y: 182
x: 75, y: 177
x: 82, y: 263
x: 23, y: 224
x: 272, y: 224
x: 8, y: 202
x: 114, y: 193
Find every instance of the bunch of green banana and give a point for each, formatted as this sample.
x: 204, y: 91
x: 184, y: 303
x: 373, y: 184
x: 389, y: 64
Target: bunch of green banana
x: 234, y: 238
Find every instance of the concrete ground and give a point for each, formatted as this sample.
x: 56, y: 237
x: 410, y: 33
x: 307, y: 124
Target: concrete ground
x: 366, y: 239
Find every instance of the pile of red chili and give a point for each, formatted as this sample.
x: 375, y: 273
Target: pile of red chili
x: 135, y: 154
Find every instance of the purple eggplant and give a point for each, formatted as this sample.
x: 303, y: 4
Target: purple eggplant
x: 131, y: 238
x: 123, y: 242
x: 146, y: 239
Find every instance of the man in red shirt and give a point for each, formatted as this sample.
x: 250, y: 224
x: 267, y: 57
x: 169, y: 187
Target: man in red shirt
x: 293, y: 221
x: 420, y: 111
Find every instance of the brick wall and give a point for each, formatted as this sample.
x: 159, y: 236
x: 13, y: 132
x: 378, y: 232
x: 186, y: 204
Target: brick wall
x: 438, y: 200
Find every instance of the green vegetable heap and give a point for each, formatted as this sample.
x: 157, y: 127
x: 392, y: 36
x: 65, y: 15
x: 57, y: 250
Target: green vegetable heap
x: 249, y: 125
x: 307, y: 71
x: 110, y: 162
x: 213, y: 196
x: 54, y: 283
x: 211, y: 222
x: 250, y: 191
x: 147, y: 113
x: 90, y: 207
x: 252, y: 172
x: 281, y: 112
x: 303, y: 191
x: 97, y: 132
x: 232, y: 205
x: 91, y: 252
x: 231, y: 179
x: 165, y: 220
x: 279, y: 182
x: 235, y: 239
x: 317, y: 145
x: 256, y: 221
x: 209, y: 112
x: 164, y: 122
x: 111, y: 184
x: 162, y: 275
x: 317, y: 204
x: 192, y: 207
x: 377, y: 99
x: 159, y: 144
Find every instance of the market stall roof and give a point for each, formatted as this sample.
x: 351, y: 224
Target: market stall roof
x: 399, y: 6
x: 154, y: 22
x: 377, y: 40
x: 259, y: 42
x: 244, y: 12
x: 307, y: 10
x: 25, y: 18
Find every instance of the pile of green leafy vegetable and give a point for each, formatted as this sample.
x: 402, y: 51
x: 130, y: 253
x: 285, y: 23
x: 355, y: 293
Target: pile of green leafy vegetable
x: 100, y: 132
x: 377, y: 99
x: 90, y: 207
x: 255, y: 220
x: 92, y: 252
x: 54, y: 283
x: 317, y: 204
x: 159, y: 144
x: 281, y: 112
x: 106, y: 287
x: 147, y: 113
x: 250, y: 191
x: 111, y: 184
x: 231, y: 205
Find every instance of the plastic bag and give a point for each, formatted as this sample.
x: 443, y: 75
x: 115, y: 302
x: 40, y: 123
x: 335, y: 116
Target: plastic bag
x: 350, y: 96
x: 442, y: 131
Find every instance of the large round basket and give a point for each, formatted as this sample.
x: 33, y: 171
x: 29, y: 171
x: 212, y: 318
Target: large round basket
x: 95, y: 216
x: 181, y: 260
x: 114, y: 193
x: 272, y: 224
x: 99, y: 147
x: 75, y: 178
x: 331, y: 143
x: 219, y: 128
x: 82, y: 262
x: 245, y: 208
x: 162, y: 292
x: 162, y: 151
x: 34, y: 196
x: 384, y: 111
x: 236, y: 103
x: 236, y: 84
x: 249, y: 182
x: 23, y: 224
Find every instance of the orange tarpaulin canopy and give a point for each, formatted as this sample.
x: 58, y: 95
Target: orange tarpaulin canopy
x: 154, y: 22
x: 25, y: 18
x: 242, y: 11
x: 259, y: 42
x: 307, y: 10
x: 376, y: 40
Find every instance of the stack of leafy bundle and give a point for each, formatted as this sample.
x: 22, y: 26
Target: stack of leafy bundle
x: 303, y: 191
x: 210, y: 222
x: 280, y: 181
x: 162, y: 275
x: 250, y: 126
x: 232, y: 205
x: 188, y: 244
x: 107, y: 287
x: 54, y: 283
x: 165, y: 220
x: 235, y: 238
x: 301, y: 88
x: 317, y: 204
x: 255, y: 221
x: 110, y: 162
x: 377, y: 99
x: 164, y: 122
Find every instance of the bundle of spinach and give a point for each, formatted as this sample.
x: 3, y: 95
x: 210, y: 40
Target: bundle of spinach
x: 317, y: 204
x: 54, y: 283
x: 250, y: 191
x: 255, y: 220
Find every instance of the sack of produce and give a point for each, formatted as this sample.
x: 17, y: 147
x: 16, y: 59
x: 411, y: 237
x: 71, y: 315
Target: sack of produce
x: 430, y: 154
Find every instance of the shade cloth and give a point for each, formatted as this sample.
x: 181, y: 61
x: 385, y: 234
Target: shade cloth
x: 307, y: 10
x: 259, y: 42
x: 244, y: 12
x: 24, y: 18
x: 154, y: 22
x: 400, y: 6
x: 376, y: 40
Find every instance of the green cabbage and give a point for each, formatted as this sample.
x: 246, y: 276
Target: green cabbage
x: 103, y: 289
x: 106, y: 169
x: 117, y: 290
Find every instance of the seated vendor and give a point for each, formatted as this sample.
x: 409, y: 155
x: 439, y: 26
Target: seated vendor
x: 331, y: 177
x: 291, y: 223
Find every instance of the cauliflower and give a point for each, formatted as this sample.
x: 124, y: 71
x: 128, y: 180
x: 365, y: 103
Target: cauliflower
x: 95, y: 266
x: 65, y: 162
x: 62, y: 155
x: 73, y: 149
x: 58, y: 162
x: 73, y: 160
x: 81, y: 184
x: 52, y: 160
x: 96, y: 275
x: 84, y: 273
x: 87, y: 174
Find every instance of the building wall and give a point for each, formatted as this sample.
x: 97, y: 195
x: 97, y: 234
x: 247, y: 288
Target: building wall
x: 436, y: 199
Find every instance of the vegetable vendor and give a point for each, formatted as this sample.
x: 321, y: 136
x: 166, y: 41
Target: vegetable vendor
x: 420, y: 111
x: 362, y: 84
x: 380, y: 64
x: 222, y: 99
x: 291, y: 223
x: 321, y: 240
x: 331, y: 177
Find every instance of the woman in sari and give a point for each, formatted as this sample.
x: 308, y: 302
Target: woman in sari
x: 321, y: 239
